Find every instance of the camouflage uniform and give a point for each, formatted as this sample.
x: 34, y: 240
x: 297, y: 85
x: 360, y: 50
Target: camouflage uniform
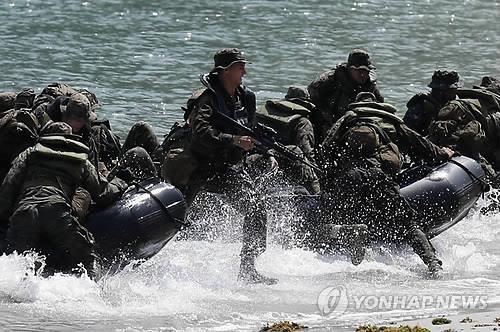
x: 36, y: 197
x: 220, y: 162
x: 18, y: 130
x: 24, y: 99
x: 424, y: 107
x: 471, y: 127
x: 290, y: 119
x: 18, y: 127
x: 361, y: 156
x: 335, y: 89
x: 6, y: 101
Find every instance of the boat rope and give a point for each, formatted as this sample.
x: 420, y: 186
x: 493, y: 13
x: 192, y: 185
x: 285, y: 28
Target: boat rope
x: 178, y: 221
x: 484, y: 185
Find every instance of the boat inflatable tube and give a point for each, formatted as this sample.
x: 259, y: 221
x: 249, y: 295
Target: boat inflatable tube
x: 141, y: 223
x: 446, y: 194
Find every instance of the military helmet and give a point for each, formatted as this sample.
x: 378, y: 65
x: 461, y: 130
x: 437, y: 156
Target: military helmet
x: 359, y: 59
x: 94, y: 102
x: 297, y: 92
x: 76, y: 106
x: 443, y: 79
x: 226, y: 57
x: 490, y: 83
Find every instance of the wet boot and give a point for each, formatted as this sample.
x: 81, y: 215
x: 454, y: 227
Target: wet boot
x: 353, y: 238
x: 424, y: 249
x: 249, y: 275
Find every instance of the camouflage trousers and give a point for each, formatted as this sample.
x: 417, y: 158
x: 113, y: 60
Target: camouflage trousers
x: 370, y: 197
x: 238, y: 190
x: 44, y: 223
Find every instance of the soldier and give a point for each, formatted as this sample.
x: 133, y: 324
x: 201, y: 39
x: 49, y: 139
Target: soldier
x: 36, y: 198
x: 471, y: 127
x: 106, y: 152
x: 424, y: 107
x: 219, y: 151
x: 337, y: 88
x: 362, y: 155
x: 290, y: 118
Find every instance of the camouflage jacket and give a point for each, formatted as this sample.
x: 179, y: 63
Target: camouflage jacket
x: 212, y: 140
x: 332, y: 92
x: 50, y: 165
x: 470, y: 127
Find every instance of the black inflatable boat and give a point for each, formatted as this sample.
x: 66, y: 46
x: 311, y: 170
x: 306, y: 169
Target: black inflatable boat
x: 140, y: 224
x: 445, y: 195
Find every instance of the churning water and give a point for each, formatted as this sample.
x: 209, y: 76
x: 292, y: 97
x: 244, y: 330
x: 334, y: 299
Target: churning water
x: 142, y: 59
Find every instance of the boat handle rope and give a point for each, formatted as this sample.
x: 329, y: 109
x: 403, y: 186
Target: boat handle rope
x: 178, y: 221
x: 484, y: 185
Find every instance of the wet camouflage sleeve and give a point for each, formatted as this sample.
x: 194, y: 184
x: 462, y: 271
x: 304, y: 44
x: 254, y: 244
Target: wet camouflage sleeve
x: 419, y: 147
x: 9, y: 190
x: 102, y: 192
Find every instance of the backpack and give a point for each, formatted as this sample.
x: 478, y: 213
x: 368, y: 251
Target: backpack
x: 369, y: 133
x: 490, y: 102
x: 177, y: 160
x: 18, y: 131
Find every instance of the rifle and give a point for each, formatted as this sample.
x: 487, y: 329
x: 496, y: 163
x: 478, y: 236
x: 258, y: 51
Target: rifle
x: 264, y: 135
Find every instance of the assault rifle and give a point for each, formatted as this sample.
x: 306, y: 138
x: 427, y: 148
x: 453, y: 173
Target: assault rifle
x: 264, y: 136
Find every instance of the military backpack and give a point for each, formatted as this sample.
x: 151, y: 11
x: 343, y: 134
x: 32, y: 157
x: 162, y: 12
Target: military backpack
x: 369, y: 133
x: 19, y: 129
x: 177, y: 160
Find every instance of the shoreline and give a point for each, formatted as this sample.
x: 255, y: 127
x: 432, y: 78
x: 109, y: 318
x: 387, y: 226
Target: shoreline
x: 487, y: 320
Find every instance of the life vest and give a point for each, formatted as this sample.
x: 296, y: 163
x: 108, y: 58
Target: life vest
x: 281, y: 115
x: 57, y: 161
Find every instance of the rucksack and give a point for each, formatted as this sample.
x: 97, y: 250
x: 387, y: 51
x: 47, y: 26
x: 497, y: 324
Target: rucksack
x: 177, y: 161
x: 373, y: 130
x: 18, y: 131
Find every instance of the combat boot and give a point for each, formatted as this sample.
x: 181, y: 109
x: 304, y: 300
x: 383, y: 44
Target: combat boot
x: 424, y: 249
x: 249, y: 275
x: 353, y: 238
